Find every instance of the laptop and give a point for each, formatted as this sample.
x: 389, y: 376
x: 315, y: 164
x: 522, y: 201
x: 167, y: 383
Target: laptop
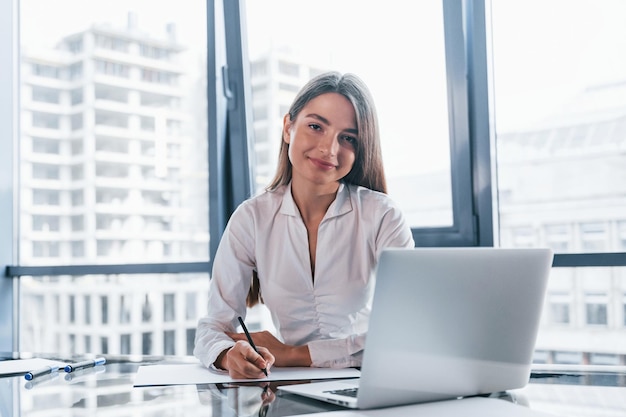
x: 445, y: 323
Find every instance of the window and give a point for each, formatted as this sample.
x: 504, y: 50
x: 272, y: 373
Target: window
x: 77, y: 249
x: 46, y: 95
x: 559, y: 308
x: 46, y: 146
x: 191, y: 339
x: 169, y: 307
x: 604, y: 359
x: 288, y: 68
x: 594, y: 237
x: 104, y: 309
x: 72, y: 343
x: 72, y: 308
x: 78, y: 223
x: 154, y: 52
x: 621, y: 233
x: 190, y: 306
x: 558, y: 237
x: 88, y: 344
x: 596, y: 309
x: 146, y: 310
x: 125, y: 344
x: 115, y: 44
x: 417, y: 159
x: 125, y: 308
x: 87, y: 307
x: 558, y: 157
x: 47, y: 71
x: 46, y: 223
x: 517, y: 140
x: 146, y: 343
x: 46, y: 172
x: 76, y: 121
x: 568, y: 358
x: 76, y: 96
x: 169, y: 342
x: 104, y: 345
x: 45, y: 120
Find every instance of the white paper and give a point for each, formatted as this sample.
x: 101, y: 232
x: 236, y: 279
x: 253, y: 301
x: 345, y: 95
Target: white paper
x: 21, y: 366
x: 467, y: 407
x: 182, y: 374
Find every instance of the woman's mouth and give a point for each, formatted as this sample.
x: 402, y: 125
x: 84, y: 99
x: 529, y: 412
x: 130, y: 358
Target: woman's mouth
x: 325, y: 165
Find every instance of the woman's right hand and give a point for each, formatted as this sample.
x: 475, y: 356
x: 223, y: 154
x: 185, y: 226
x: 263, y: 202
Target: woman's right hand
x: 242, y: 362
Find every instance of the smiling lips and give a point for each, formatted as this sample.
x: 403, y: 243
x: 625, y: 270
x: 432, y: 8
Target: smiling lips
x: 322, y: 164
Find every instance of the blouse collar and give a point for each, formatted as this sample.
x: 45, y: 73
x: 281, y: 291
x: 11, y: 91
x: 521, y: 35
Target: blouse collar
x: 341, y: 205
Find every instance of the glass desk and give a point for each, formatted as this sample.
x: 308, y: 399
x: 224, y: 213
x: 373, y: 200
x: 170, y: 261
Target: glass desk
x: 108, y: 390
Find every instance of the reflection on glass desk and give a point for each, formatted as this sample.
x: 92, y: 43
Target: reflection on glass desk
x: 108, y: 389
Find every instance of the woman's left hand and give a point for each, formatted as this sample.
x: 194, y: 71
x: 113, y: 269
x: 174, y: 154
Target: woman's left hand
x: 286, y: 355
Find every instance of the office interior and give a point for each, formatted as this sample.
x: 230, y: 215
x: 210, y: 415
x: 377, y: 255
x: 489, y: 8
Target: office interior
x: 130, y: 131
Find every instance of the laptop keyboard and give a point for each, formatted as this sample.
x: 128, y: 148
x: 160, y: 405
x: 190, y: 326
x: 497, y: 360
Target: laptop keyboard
x: 346, y: 392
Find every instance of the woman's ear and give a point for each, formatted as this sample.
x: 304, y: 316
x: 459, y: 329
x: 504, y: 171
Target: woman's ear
x: 287, y: 128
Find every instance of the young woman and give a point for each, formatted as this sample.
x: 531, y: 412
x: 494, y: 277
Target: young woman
x: 308, y: 246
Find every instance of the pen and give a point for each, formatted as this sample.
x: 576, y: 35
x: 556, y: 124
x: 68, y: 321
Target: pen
x: 85, y: 364
x: 245, y: 330
x: 41, y: 380
x: 41, y: 372
x: 84, y: 373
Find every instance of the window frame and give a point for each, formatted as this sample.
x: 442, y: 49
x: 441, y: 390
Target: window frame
x: 463, y: 94
x: 473, y: 173
x: 9, y: 103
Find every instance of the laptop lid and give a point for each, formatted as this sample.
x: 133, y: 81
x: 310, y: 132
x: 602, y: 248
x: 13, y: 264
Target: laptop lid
x: 450, y: 322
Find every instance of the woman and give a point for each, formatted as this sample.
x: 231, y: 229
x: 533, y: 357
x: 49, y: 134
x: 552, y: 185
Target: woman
x: 307, y: 247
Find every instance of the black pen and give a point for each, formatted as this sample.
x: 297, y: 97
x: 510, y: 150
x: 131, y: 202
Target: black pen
x: 245, y: 330
x: 29, y: 376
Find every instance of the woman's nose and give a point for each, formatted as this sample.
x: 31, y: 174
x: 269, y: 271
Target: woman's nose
x: 329, y: 144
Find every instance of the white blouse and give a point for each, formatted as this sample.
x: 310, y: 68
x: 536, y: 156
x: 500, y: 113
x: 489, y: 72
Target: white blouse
x: 329, y: 313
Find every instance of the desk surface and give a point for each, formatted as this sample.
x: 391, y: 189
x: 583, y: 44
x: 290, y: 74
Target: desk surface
x: 562, y: 391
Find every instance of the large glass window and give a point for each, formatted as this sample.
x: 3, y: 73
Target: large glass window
x: 113, y: 150
x: 559, y: 80
x: 121, y: 118
x: 386, y: 44
x: 113, y: 169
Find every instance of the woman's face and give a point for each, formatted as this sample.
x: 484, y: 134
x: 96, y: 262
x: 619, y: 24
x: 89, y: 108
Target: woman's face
x: 322, y: 139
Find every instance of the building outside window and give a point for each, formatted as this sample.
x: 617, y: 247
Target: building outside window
x: 104, y: 345
x: 559, y: 307
x: 169, y: 307
x: 558, y: 141
x: 146, y: 343
x: 596, y: 309
x: 126, y: 303
x: 104, y: 309
x: 87, y: 302
x: 169, y: 342
x: 125, y: 344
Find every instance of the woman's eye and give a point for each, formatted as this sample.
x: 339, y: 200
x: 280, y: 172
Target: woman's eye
x: 315, y: 126
x: 349, y: 139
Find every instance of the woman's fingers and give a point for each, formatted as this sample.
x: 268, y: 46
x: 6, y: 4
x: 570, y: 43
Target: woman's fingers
x: 244, y: 362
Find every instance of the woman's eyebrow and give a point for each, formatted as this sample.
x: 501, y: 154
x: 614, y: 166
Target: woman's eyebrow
x: 325, y: 121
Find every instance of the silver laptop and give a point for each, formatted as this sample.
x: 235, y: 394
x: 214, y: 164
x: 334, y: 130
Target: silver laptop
x: 446, y: 323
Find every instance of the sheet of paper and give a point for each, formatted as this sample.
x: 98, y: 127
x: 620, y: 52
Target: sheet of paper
x: 182, y: 374
x: 467, y: 407
x: 21, y: 366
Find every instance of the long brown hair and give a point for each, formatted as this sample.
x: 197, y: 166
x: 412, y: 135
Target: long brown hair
x: 367, y: 170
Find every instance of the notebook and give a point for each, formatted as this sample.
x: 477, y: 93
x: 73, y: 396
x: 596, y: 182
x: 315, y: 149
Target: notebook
x: 445, y: 323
